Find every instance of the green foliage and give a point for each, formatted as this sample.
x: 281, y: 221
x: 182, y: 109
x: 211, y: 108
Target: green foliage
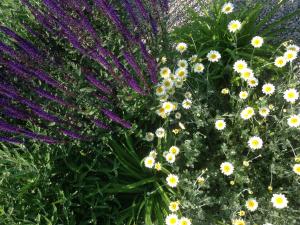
x: 143, y: 197
x: 208, y: 30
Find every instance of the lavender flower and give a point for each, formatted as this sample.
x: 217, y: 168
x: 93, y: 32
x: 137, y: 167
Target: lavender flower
x: 50, y: 96
x: 142, y: 9
x: 48, y: 79
x: 43, y: 138
x: 16, y: 113
x: 73, y: 135
x: 103, y: 98
x: 132, y: 62
x: 10, y: 140
x: 46, y: 116
x: 100, y: 124
x: 9, y: 50
x: 29, y: 48
x: 6, y: 127
x: 114, y: 117
x: 131, y: 13
x: 151, y: 63
x: 101, y: 86
x: 110, y: 12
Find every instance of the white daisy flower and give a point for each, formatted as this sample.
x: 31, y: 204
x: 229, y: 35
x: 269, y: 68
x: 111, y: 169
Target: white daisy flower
x: 220, y: 124
x: 279, y: 201
x: 296, y: 169
x: 252, y: 82
x: 193, y: 58
x: 167, y: 83
x: 290, y: 55
x: 198, y: 68
x: 170, y: 158
x: 291, y: 95
x: 149, y: 136
x: 174, y: 150
x: 181, y: 47
x: 165, y: 72
x: 187, y: 104
x: 257, y: 42
x: 243, y: 95
x: 247, y: 113
x: 234, y: 26
x: 227, y: 168
x: 174, y: 206
x: 172, y: 180
x: 172, y: 219
x: 168, y: 107
x: 184, y: 221
x: 181, y: 73
x: 149, y: 162
x: 178, y: 83
x: 240, y: 65
x: 255, y: 142
x: 213, y: 56
x: 251, y: 204
x: 268, y: 89
x: 293, y: 48
x: 227, y: 8
x: 294, y: 121
x: 280, y: 61
x: 160, y: 132
x: 264, y: 111
x: 160, y: 90
x: 182, y: 63
x: 247, y: 74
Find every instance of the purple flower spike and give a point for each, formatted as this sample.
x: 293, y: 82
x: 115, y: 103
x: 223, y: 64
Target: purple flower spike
x: 10, y: 140
x: 29, y: 48
x: 101, y: 86
x: 100, y: 124
x: 73, y: 135
x: 132, y: 15
x: 50, y: 96
x: 114, y: 117
x: 110, y: 12
x: 8, y: 50
x: 42, y: 138
x: 6, y: 127
x: 142, y: 9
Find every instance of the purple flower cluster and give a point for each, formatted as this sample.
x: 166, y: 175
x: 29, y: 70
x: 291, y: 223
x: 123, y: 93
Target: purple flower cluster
x: 27, y: 87
x: 116, y: 118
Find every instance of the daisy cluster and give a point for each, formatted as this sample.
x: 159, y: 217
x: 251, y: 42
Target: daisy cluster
x: 174, y: 102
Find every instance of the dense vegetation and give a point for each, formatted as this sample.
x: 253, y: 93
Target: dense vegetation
x: 109, y: 117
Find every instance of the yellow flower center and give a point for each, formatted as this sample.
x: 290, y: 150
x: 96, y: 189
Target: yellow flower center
x: 268, y: 89
x: 294, y: 120
x: 280, y: 62
x: 279, y: 200
x: 173, y: 221
x: 251, y: 204
x: 213, y: 56
x: 172, y: 180
x: 289, y: 55
x: 255, y: 142
x: 227, y: 168
x: 241, y: 66
x: 291, y: 95
x: 298, y: 169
